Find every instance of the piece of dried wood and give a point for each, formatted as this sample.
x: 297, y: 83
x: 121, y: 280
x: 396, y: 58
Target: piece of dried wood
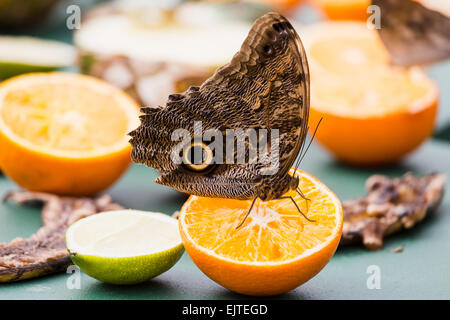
x: 45, y: 251
x: 390, y: 206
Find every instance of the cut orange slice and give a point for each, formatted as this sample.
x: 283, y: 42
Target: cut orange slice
x: 349, y: 9
x: 374, y: 113
x: 344, y: 9
x: 64, y: 133
x: 275, y: 250
x: 283, y: 6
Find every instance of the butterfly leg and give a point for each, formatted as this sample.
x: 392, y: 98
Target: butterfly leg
x: 302, y: 195
x: 304, y: 198
x: 289, y: 197
x: 249, y: 210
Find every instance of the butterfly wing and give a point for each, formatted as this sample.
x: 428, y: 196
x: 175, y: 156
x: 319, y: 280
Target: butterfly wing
x: 265, y: 86
x: 271, y: 73
x: 412, y: 33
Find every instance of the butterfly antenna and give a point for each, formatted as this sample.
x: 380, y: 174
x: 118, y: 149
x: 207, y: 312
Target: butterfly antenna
x: 297, y: 163
x: 249, y: 210
x: 310, y: 141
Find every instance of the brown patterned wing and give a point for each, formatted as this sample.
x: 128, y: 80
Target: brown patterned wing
x: 265, y: 86
x: 412, y: 33
x: 271, y: 74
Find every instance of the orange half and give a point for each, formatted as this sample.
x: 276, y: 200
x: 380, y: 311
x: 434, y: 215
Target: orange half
x: 64, y: 133
x: 344, y: 9
x: 373, y: 113
x: 275, y: 250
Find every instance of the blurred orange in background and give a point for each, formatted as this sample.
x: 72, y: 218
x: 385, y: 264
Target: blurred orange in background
x: 357, y: 9
x: 373, y: 113
x: 64, y: 133
x: 343, y: 9
x: 283, y: 6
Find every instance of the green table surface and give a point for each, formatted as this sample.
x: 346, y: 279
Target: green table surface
x: 421, y: 271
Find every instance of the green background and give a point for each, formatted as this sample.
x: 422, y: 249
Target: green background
x: 421, y: 271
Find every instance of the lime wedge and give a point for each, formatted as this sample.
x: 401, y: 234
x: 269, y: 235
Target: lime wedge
x: 124, y: 246
x: 26, y: 54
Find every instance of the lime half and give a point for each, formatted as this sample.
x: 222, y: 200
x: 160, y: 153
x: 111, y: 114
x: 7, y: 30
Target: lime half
x: 124, y: 246
x: 26, y: 54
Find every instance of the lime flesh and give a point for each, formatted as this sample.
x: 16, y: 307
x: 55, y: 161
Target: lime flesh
x: 124, y: 246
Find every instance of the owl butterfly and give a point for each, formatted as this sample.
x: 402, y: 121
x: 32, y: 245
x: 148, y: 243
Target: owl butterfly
x: 266, y: 88
x: 412, y: 33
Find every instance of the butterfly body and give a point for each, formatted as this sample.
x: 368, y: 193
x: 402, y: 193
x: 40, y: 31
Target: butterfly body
x: 275, y: 188
x: 264, y: 89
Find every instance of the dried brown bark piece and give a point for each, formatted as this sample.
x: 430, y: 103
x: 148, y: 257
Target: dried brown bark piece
x: 45, y: 251
x: 390, y: 206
